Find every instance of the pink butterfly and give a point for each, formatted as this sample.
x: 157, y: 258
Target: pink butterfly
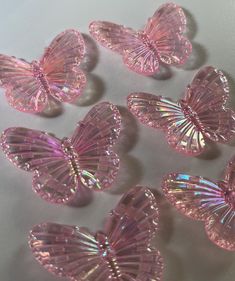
x: 210, y: 201
x: 121, y: 251
x: 29, y: 86
x: 199, y: 116
x: 61, y: 167
x: 161, y: 41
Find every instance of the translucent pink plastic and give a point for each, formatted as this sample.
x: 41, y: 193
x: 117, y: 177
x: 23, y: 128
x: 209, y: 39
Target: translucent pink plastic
x: 121, y: 251
x: 161, y: 41
x: 61, y: 167
x: 56, y: 75
x: 199, y: 116
x: 210, y: 201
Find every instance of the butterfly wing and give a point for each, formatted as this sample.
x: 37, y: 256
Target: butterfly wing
x: 221, y: 230
x: 165, y: 29
x: 207, y: 96
x: 60, y: 65
x: 38, y: 152
x: 68, y: 251
x: 93, y: 140
x: 160, y: 112
x: 203, y: 199
x: 136, y: 54
x: 23, y: 90
x: 129, y: 229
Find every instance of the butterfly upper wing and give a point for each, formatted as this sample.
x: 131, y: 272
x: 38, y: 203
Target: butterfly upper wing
x: 38, y: 152
x: 23, y: 90
x: 113, y: 36
x: 68, y: 251
x: 129, y: 229
x: 194, y: 196
x: 203, y: 199
x: 160, y: 112
x: 60, y: 65
x: 93, y: 140
x: 166, y: 29
x: 207, y: 95
x: 136, y: 54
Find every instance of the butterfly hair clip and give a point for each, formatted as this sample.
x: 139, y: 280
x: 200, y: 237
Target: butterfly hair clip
x: 121, y: 251
x: 210, y: 201
x: 56, y: 75
x: 61, y: 167
x: 161, y: 40
x: 199, y: 117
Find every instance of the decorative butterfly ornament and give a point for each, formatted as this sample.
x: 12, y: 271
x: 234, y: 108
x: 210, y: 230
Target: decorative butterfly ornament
x: 61, y: 167
x: 121, y: 251
x: 201, y: 115
x: 161, y: 41
x: 30, y: 86
x: 210, y: 201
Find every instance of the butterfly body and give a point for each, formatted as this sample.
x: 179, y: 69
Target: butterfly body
x: 40, y: 76
x: 108, y: 254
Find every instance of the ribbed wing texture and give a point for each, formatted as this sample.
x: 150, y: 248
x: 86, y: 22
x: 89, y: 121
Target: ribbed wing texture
x: 129, y: 230
x: 136, y: 54
x: 159, y: 112
x: 68, y: 251
x: 207, y: 96
x: 93, y: 141
x: 38, y: 152
x: 23, y: 89
x: 203, y: 199
x: 166, y: 29
x: 60, y: 65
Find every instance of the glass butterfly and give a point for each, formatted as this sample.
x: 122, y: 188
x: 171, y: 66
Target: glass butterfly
x: 121, y: 251
x: 210, y: 201
x: 30, y: 86
x: 161, y: 40
x: 200, y: 116
x: 61, y: 167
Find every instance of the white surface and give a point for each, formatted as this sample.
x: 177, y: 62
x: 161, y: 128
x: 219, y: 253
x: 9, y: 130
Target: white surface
x: 25, y: 29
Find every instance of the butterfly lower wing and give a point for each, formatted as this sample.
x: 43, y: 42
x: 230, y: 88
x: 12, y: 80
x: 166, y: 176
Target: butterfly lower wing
x: 166, y: 29
x: 23, y: 90
x: 68, y: 251
x: 38, y: 152
x: 93, y: 140
x: 207, y: 95
x: 221, y: 229
x: 60, y: 64
x: 141, y: 58
x: 160, y: 112
x: 129, y: 230
x: 136, y: 55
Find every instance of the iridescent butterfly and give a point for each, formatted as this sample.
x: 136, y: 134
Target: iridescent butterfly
x: 161, y: 40
x: 210, y: 201
x: 61, y: 167
x: 121, y: 251
x: 29, y: 86
x: 201, y: 115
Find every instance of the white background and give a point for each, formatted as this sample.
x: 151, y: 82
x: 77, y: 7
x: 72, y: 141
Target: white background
x: 26, y: 27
